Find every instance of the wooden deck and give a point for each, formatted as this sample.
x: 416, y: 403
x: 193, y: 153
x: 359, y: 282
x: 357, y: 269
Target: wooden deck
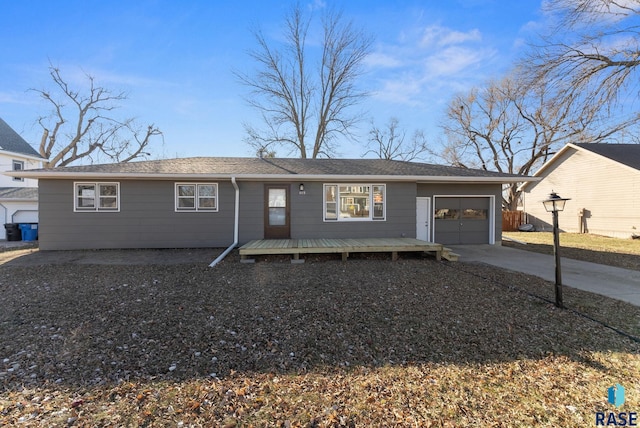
x: 295, y: 247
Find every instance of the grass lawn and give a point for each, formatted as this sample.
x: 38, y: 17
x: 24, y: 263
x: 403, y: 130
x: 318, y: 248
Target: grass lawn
x: 363, y: 343
x: 623, y: 253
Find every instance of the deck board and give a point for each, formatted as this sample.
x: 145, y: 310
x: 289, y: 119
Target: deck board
x: 295, y: 247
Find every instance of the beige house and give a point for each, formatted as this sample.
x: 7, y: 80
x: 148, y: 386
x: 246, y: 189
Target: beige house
x: 603, y: 183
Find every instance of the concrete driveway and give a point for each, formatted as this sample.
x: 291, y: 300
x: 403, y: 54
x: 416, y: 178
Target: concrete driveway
x: 617, y: 283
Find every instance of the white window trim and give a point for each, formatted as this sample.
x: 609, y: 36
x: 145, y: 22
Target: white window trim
x: 96, y: 208
x: 15, y: 162
x: 196, y: 207
x: 355, y: 219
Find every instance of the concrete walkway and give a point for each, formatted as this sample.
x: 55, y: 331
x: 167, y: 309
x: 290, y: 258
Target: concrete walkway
x: 617, y: 283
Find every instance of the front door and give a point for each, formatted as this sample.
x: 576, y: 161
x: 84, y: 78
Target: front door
x: 276, y: 212
x: 423, y: 215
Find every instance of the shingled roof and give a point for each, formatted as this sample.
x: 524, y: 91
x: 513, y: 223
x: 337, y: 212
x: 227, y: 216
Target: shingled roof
x: 626, y: 154
x: 11, y: 141
x: 19, y: 193
x: 280, y: 168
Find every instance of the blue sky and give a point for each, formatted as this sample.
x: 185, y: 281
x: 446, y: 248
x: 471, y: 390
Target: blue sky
x: 175, y: 60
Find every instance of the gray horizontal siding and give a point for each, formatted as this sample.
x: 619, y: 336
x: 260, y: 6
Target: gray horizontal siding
x: 147, y: 219
x: 251, y: 225
x: 307, y: 214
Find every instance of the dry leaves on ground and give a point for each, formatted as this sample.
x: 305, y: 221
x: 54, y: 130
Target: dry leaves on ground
x: 367, y: 342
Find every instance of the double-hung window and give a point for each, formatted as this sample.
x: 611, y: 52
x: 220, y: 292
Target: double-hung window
x: 196, y: 197
x: 18, y: 166
x: 354, y: 202
x: 97, y: 197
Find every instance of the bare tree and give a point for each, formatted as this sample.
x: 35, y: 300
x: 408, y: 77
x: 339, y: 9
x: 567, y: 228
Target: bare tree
x: 306, y: 100
x: 514, y: 125
x: 82, y: 125
x: 594, y: 51
x: 390, y: 143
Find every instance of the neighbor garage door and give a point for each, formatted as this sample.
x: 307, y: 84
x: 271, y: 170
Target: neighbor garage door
x: 462, y: 220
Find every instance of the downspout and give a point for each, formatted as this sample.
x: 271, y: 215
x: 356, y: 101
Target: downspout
x: 235, y: 226
x: 6, y: 212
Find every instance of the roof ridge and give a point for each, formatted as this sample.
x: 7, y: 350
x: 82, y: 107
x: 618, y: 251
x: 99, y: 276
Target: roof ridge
x: 627, y: 154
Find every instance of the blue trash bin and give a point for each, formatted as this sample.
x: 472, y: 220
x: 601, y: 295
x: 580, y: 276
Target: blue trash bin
x: 29, y: 231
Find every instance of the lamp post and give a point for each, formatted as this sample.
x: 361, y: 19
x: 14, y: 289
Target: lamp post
x: 555, y: 204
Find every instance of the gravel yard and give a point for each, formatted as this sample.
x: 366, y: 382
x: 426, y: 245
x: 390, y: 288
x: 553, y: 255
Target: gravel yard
x: 160, y: 339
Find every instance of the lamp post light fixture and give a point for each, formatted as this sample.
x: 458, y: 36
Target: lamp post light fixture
x: 554, y: 204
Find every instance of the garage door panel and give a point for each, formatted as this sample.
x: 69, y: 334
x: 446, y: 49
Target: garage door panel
x: 474, y: 226
x: 448, y: 238
x: 474, y: 232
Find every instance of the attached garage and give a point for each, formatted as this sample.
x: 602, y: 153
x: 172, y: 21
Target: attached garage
x: 459, y: 213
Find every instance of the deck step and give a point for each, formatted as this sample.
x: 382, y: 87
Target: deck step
x: 448, y: 254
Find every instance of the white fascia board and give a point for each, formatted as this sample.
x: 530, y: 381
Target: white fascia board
x: 261, y: 177
x: 22, y: 155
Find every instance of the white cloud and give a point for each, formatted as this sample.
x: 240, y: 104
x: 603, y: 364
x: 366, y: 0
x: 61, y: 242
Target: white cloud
x: 436, y: 35
x: 400, y: 91
x: 317, y: 5
x: 426, y: 60
x: 453, y: 60
x: 383, y: 60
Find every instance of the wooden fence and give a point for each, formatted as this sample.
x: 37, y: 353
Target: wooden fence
x: 511, y: 220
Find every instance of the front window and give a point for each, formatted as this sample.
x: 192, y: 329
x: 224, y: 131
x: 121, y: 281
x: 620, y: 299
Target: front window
x: 18, y: 166
x: 353, y: 202
x: 196, y: 197
x: 97, y: 197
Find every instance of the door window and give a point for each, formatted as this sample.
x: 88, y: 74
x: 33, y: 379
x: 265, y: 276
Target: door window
x: 277, y: 207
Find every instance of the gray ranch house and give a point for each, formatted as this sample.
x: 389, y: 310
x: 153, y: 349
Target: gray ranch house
x: 603, y: 183
x: 214, y: 202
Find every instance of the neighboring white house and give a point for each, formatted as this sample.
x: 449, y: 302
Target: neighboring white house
x: 18, y: 196
x: 603, y: 183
